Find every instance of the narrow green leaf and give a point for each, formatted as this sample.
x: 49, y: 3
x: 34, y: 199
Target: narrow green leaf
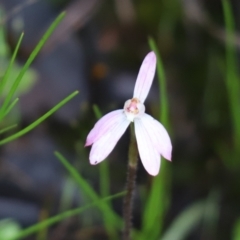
x: 232, y: 76
x: 163, y: 117
x: 38, y: 121
x: 9, y: 68
x: 158, y: 198
x: 97, y: 111
x: 236, y: 230
x: 29, y: 61
x: 105, y: 183
x: 7, y: 128
x: 60, y: 217
x: 84, y: 185
x: 185, y: 222
x: 104, y: 166
x: 11, y: 106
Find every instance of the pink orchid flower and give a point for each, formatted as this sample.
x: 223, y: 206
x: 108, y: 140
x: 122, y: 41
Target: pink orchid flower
x: 152, y: 138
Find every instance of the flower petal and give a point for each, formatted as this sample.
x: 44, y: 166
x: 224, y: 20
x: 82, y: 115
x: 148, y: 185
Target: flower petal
x: 103, y: 125
x: 105, y: 144
x: 148, y: 153
x: 158, y: 135
x: 145, y: 77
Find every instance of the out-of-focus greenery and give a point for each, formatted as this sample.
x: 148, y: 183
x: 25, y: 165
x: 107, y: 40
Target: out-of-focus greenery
x: 29, y: 77
x: 7, y: 105
x: 216, y: 107
x: 9, y: 229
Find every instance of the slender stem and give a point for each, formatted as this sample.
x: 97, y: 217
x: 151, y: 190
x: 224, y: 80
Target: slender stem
x: 130, y: 186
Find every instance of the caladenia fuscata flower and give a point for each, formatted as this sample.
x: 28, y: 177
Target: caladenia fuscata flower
x: 152, y: 138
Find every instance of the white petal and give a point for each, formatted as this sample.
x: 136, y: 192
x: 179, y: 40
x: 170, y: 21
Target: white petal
x: 105, y: 124
x: 105, y: 144
x: 145, y: 77
x: 148, y: 153
x: 158, y: 135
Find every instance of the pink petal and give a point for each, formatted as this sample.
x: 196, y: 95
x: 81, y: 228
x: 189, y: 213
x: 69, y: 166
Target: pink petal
x: 105, y: 144
x: 103, y: 125
x: 145, y: 77
x: 148, y: 153
x: 158, y: 135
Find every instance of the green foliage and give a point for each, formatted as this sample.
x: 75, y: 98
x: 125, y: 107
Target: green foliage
x: 116, y: 221
x: 9, y: 229
x: 39, y: 120
x: 60, y: 217
x: 232, y: 75
x: 32, y: 56
x: 230, y: 155
x: 159, y: 195
x: 104, y: 180
x: 236, y: 230
x: 185, y: 222
x: 9, y: 75
x: 8, y: 104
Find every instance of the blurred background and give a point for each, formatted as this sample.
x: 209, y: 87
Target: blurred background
x: 97, y: 49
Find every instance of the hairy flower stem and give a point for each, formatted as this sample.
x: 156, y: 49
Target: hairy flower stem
x: 130, y: 186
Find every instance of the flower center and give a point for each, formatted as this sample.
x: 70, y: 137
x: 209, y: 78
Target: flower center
x: 133, y: 108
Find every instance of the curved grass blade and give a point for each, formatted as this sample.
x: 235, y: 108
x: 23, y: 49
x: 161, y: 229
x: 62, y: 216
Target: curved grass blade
x: 185, y: 222
x: 7, y: 128
x: 29, y: 61
x: 53, y: 220
x: 105, y: 183
x: 164, y: 113
x: 11, y: 106
x: 9, y: 68
x: 38, y: 121
x: 104, y: 167
x: 116, y: 221
x: 158, y: 199
x: 232, y: 76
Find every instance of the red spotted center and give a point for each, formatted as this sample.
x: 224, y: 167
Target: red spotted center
x: 133, y: 106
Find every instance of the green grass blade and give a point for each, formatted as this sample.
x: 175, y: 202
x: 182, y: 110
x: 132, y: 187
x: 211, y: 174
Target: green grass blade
x: 232, y: 77
x: 11, y: 106
x: 105, y: 183
x: 236, y: 230
x: 67, y: 194
x: 104, y: 166
x: 116, y: 221
x: 60, y: 217
x: 97, y: 111
x: 185, y: 222
x: 38, y: 121
x: 29, y: 61
x: 163, y: 117
x: 9, y: 68
x: 158, y: 199
x: 7, y: 128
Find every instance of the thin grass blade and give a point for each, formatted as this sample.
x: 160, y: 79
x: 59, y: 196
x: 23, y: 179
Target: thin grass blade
x: 9, y: 68
x: 105, y: 183
x: 185, y: 222
x: 232, y: 76
x: 11, y: 106
x: 60, y: 217
x: 29, y: 61
x: 236, y: 230
x: 158, y: 198
x: 164, y: 113
x: 116, y: 221
x: 38, y: 121
x: 7, y: 128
